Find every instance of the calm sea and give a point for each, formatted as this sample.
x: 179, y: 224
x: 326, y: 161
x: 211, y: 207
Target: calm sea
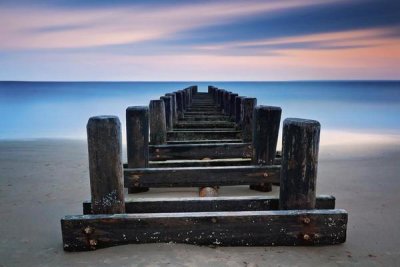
x: 61, y: 109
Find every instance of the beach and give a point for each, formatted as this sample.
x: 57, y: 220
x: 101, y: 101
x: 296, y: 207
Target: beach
x: 42, y: 180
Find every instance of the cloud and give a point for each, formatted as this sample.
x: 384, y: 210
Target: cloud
x: 44, y: 27
x: 201, y: 40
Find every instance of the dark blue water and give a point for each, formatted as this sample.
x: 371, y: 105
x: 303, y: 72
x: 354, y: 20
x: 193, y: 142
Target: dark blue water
x: 57, y: 110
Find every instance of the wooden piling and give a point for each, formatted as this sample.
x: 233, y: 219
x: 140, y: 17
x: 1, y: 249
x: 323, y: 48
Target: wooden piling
x: 265, y: 138
x: 105, y: 165
x: 238, y: 109
x: 221, y: 99
x: 232, y: 107
x: 248, y: 106
x: 137, y: 141
x: 174, y: 108
x: 158, y: 128
x: 168, y: 112
x: 179, y: 104
x: 300, y: 145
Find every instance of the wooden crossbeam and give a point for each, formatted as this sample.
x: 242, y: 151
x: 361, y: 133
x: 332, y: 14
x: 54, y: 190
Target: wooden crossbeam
x: 200, y: 163
x: 200, y: 151
x: 205, y: 141
x: 201, y: 176
x: 209, y: 124
x: 203, y: 135
x: 208, y: 204
x: 242, y: 228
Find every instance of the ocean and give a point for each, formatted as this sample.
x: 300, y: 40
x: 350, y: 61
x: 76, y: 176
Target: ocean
x: 61, y: 109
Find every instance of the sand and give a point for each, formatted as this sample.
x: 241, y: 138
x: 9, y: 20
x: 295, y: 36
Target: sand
x: 42, y: 180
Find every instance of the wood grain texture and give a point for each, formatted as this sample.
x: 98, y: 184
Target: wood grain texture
x: 158, y: 128
x: 243, y: 228
x: 248, y: 106
x: 200, y: 151
x: 201, y: 176
x: 300, y: 144
x: 105, y: 164
x: 203, y: 135
x: 207, y: 204
x: 137, y: 137
x: 265, y: 138
x: 168, y: 112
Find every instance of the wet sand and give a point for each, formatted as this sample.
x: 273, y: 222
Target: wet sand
x: 43, y: 180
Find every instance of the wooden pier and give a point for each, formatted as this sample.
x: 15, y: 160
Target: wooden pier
x: 205, y: 140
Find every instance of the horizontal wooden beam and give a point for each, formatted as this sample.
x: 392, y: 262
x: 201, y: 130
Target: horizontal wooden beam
x: 205, y: 141
x: 211, y: 130
x: 200, y: 163
x: 242, y: 228
x: 206, y: 118
x: 202, y: 135
x: 207, y: 124
x: 200, y: 151
x: 201, y: 176
x: 208, y: 204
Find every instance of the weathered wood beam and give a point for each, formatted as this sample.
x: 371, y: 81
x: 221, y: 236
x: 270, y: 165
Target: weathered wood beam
x: 208, y: 204
x: 200, y: 151
x: 242, y: 228
x: 201, y: 176
x: 202, y: 135
x: 207, y: 124
x: 205, y: 141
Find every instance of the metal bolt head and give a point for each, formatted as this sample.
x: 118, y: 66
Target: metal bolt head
x: 88, y: 230
x: 306, y: 237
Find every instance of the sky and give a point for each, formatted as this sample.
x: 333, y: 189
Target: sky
x: 231, y: 40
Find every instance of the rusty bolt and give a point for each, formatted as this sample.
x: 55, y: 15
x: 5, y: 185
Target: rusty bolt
x: 265, y: 174
x: 306, y: 220
x: 306, y: 237
x: 88, y: 230
x: 92, y: 242
x: 157, y: 156
x: 157, y: 150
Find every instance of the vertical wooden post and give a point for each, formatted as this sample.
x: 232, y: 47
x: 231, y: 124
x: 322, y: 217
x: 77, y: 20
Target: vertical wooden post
x: 215, y: 94
x: 248, y: 106
x: 174, y: 108
x: 238, y: 109
x: 186, y: 94
x: 137, y: 141
x: 265, y: 137
x: 158, y: 128
x: 195, y: 89
x: 168, y: 111
x: 221, y: 99
x: 210, y: 89
x: 105, y: 165
x: 300, y: 146
x: 226, y: 103
x: 183, y: 99
x: 232, y: 105
x: 179, y: 104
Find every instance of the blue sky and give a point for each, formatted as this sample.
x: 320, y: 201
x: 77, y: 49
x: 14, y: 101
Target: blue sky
x: 199, y: 40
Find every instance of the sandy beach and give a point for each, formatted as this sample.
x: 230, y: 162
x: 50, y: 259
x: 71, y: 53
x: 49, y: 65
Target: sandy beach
x: 43, y: 180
